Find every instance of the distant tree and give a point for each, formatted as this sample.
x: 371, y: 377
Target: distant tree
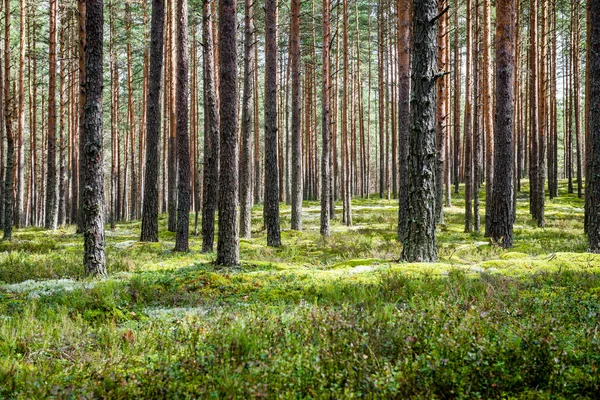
x: 228, y: 246
x: 297, y: 189
x: 183, y: 139
x: 153, y: 122
x: 51, y: 137
x: 420, y: 241
x: 271, y: 206
x: 94, y: 258
x: 593, y: 186
x: 501, y: 208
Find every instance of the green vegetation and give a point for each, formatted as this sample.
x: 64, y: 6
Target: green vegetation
x: 314, y: 319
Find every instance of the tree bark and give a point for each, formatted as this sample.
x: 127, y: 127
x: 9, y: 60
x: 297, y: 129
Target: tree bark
x: 153, y: 122
x: 211, y: 136
x: 501, y: 207
x: 94, y: 258
x: 228, y: 246
x: 404, y: 18
x: 326, y: 122
x: 420, y: 241
x: 51, y: 150
x: 246, y: 132
x: 468, y: 121
x: 271, y: 206
x: 593, y: 197
x: 183, y: 139
x: 297, y: 152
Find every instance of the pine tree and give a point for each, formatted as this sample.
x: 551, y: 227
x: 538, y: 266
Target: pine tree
x: 420, y: 240
x: 94, y: 258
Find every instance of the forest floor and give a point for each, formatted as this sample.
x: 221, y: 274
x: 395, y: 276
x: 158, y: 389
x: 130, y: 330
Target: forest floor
x: 336, y: 319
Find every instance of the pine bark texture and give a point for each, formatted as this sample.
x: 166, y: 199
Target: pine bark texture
x: 228, y: 246
x: 501, y: 207
x: 420, y: 241
x: 183, y: 138
x: 246, y: 131
x: 94, y: 258
x: 593, y: 197
x: 271, y: 206
x: 211, y: 135
x: 404, y: 18
x: 153, y: 123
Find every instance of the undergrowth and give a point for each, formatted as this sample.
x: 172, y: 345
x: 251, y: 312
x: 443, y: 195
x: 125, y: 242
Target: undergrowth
x: 337, y: 318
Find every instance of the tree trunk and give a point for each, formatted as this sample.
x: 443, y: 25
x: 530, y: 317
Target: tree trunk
x: 468, y: 121
x: 487, y: 111
x: 457, y: 78
x: 441, y: 124
x: 246, y: 150
x: 51, y: 150
x: 81, y: 15
x: 228, y: 247
x: 211, y: 136
x: 593, y: 197
x: 153, y: 122
x: 420, y: 242
x: 404, y: 18
x: 183, y: 139
x: 271, y: 207
x: 501, y: 207
x: 326, y: 122
x: 172, y: 152
x: 131, y: 115
x: 297, y: 152
x: 19, y: 214
x: 62, y: 174
x: 10, y: 148
x: 94, y: 258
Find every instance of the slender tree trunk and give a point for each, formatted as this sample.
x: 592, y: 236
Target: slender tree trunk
x: 81, y: 8
x: 501, y: 207
x: 172, y: 153
x: 183, y: 139
x: 457, y: 86
x: 10, y: 148
x: 533, y: 118
x: 420, y: 241
x: 94, y: 258
x: 131, y: 114
x: 326, y: 122
x: 153, y: 122
x: 346, y: 154
x: 488, y: 104
x: 271, y: 207
x: 228, y: 247
x: 51, y: 157
x: 19, y: 209
x: 297, y: 152
x: 468, y: 121
x: 404, y: 18
x: 441, y: 124
x: 211, y: 137
x: 576, y: 98
x: 62, y: 174
x: 246, y: 150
